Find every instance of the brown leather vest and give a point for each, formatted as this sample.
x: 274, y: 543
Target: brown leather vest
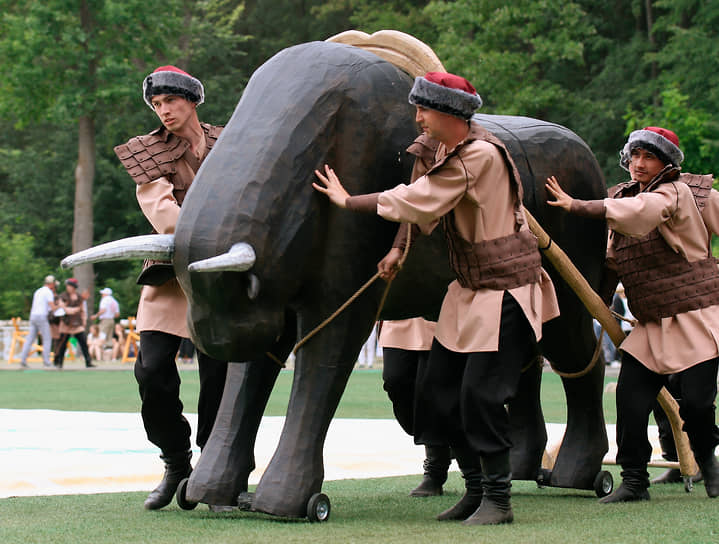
x: 155, y: 155
x: 502, y: 263
x: 72, y: 320
x: 658, y: 281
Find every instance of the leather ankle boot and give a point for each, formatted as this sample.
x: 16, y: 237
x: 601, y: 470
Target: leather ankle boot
x: 496, y: 506
x: 177, y: 467
x: 633, y: 487
x: 436, y: 464
x: 471, y: 472
x: 709, y: 467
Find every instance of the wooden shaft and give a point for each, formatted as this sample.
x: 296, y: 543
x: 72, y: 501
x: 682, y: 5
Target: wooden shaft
x: 593, y: 302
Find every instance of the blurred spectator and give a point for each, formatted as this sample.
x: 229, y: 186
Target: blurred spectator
x: 96, y: 342
x: 73, y: 322
x: 108, y: 311
x: 43, y: 304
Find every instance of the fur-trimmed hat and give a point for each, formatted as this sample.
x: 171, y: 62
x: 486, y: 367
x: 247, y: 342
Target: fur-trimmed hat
x: 662, y: 142
x: 446, y: 93
x: 172, y: 80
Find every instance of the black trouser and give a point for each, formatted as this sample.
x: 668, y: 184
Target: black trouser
x: 62, y: 345
x: 399, y: 376
x: 159, y: 383
x: 637, y: 390
x: 461, y: 397
x: 664, y: 428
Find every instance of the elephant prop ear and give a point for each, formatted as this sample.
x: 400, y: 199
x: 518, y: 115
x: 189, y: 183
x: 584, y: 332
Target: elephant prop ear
x: 404, y: 51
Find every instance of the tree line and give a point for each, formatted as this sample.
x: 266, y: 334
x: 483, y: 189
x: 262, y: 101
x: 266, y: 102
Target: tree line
x: 72, y: 73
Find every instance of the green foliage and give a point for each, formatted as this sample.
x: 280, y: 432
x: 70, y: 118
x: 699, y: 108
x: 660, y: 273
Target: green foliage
x: 21, y: 273
x: 599, y: 68
x: 523, y: 56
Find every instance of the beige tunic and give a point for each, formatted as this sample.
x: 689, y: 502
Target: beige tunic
x: 681, y: 341
x: 162, y: 308
x: 414, y: 334
x: 484, y: 209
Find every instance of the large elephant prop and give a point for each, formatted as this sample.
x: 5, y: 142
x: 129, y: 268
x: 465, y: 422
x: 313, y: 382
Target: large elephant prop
x: 294, y: 259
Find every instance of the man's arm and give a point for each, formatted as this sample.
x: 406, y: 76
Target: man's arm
x: 159, y: 205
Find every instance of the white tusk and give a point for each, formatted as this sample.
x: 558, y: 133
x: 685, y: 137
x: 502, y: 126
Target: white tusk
x: 239, y: 258
x: 159, y: 247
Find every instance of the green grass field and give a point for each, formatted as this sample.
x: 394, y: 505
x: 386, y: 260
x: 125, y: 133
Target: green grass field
x: 367, y: 511
x: 116, y: 391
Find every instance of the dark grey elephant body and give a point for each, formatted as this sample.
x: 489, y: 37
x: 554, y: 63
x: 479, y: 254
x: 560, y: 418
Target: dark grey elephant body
x: 323, y: 103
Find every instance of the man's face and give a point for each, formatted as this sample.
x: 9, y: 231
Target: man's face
x: 431, y: 121
x: 644, y: 165
x: 174, y: 111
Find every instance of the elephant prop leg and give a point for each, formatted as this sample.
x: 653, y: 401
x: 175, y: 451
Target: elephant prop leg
x: 228, y: 457
x: 296, y: 470
x: 585, y: 443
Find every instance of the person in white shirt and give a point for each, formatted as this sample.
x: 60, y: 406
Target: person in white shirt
x: 43, y: 302
x: 107, y: 312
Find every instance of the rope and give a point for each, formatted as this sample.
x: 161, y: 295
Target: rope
x: 589, y: 367
x: 350, y: 300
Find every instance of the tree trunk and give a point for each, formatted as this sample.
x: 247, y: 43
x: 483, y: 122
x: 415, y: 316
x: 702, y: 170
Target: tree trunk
x: 82, y: 231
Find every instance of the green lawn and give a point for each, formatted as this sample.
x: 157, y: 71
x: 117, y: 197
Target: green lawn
x: 116, y: 391
x: 366, y: 511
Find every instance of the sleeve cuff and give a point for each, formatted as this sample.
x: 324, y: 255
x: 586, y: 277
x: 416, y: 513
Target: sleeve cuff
x: 588, y: 208
x: 363, y: 203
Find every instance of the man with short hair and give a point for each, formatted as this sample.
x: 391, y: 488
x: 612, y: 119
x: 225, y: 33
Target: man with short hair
x: 43, y: 302
x: 163, y: 164
x: 107, y: 312
x: 491, y: 317
x: 661, y: 224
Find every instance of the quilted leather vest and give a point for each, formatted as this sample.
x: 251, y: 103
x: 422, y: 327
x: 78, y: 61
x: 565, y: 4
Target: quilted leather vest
x: 658, y: 281
x: 502, y: 263
x: 154, y: 155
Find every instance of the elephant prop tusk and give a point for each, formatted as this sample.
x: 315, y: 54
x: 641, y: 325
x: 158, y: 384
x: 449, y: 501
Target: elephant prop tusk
x: 239, y: 258
x: 159, y: 247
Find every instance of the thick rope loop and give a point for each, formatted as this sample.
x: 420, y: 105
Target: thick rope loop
x: 350, y: 300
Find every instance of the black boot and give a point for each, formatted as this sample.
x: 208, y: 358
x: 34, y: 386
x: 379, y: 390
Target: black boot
x: 496, y: 506
x: 674, y: 476
x: 472, y: 473
x: 633, y: 488
x: 177, y: 467
x: 709, y: 467
x: 436, y: 464
x: 671, y: 476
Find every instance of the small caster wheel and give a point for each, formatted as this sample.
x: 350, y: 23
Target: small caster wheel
x: 182, y: 502
x: 318, y: 507
x: 244, y: 501
x: 688, y: 484
x: 544, y: 477
x: 603, y: 483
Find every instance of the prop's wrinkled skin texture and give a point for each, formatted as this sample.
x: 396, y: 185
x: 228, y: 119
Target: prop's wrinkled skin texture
x: 323, y: 103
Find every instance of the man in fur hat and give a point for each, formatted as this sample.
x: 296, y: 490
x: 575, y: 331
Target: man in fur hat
x: 490, y: 321
x: 660, y: 229
x: 163, y: 164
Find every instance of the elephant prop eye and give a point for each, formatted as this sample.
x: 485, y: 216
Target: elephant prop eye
x: 253, y: 286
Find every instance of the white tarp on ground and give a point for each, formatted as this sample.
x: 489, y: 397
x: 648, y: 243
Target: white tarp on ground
x: 51, y: 452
